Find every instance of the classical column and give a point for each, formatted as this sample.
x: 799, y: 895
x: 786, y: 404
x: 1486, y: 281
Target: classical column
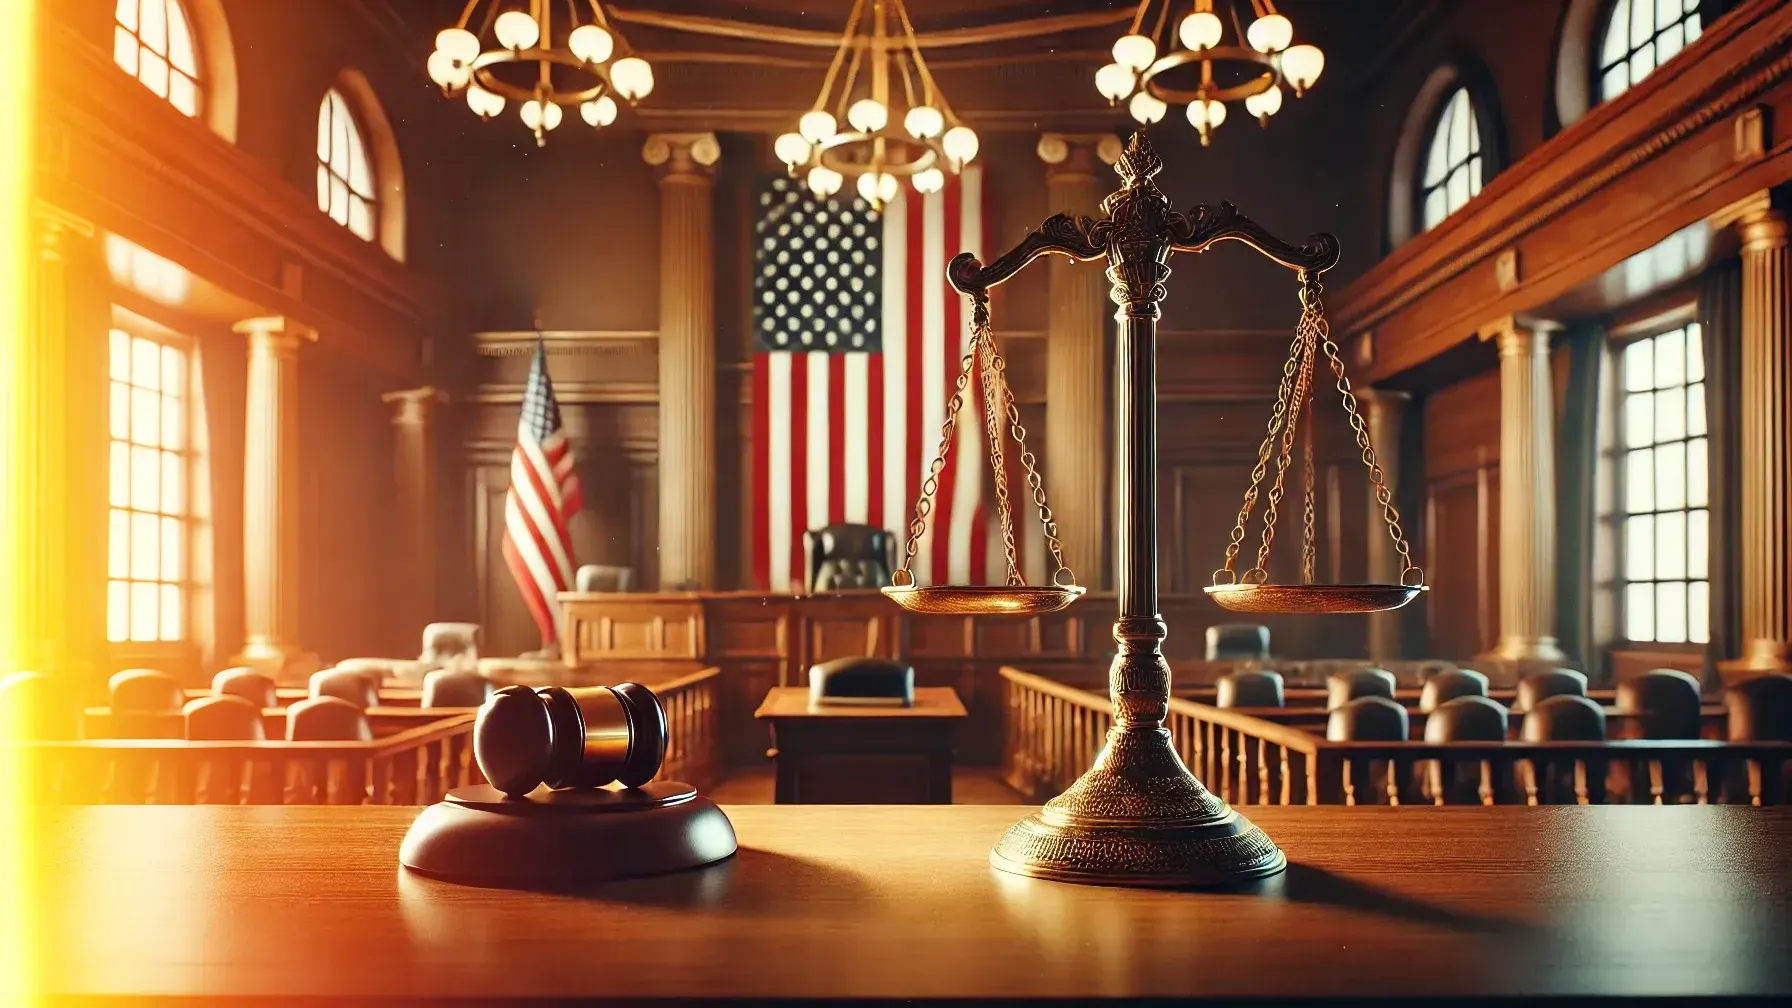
x: 271, y: 497
x: 1077, y: 455
x: 1527, y: 493
x: 417, y: 499
x: 54, y: 623
x: 1766, y: 403
x: 1385, y: 411
x: 687, y: 357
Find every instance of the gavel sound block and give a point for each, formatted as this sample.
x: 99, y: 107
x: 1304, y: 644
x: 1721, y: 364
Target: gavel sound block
x: 550, y: 817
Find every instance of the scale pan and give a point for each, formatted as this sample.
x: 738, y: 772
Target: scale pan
x: 1314, y: 598
x: 973, y: 600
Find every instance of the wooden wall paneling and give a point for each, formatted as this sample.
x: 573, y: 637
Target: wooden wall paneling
x: 754, y: 640
x: 1461, y: 425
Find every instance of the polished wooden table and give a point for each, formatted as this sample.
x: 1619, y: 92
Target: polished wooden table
x: 899, y: 902
x: 862, y: 754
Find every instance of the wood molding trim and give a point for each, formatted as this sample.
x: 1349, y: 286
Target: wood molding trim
x: 1434, y: 290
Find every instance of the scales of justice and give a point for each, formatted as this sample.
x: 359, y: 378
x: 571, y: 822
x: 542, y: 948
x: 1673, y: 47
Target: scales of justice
x: 1138, y: 817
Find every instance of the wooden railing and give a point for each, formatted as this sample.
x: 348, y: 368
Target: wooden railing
x: 693, y: 743
x: 1053, y: 731
x: 413, y: 767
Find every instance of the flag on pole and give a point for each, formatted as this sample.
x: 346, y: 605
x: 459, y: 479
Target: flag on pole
x: 544, y: 495
x: 857, y: 342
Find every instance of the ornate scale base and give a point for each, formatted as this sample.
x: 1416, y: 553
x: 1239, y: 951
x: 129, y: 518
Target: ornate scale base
x: 554, y: 839
x: 1138, y: 818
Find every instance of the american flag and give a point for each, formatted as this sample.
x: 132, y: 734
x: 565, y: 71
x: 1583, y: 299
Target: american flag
x: 858, y: 338
x: 544, y: 495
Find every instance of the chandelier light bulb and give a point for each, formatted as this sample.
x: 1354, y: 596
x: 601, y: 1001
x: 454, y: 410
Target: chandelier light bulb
x: 868, y: 115
x: 539, y: 114
x: 930, y: 181
x: 1201, y: 30
x: 1301, y: 65
x: 1270, y: 33
x: 1264, y: 105
x: 887, y: 187
x: 1146, y: 109
x: 484, y: 104
x: 447, y: 71
x: 1114, y: 82
x: 599, y: 112
x: 817, y: 126
x: 1135, y: 52
x: 591, y: 43
x: 960, y: 143
x: 824, y: 181
x: 1205, y: 116
x: 924, y: 122
x: 459, y: 44
x: 867, y: 186
x: 516, y: 30
x: 632, y: 77
x: 791, y: 149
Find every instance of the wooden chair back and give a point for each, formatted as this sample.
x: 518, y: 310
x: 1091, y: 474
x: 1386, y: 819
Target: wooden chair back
x: 1343, y: 687
x: 1539, y: 686
x: 1448, y: 684
x: 226, y: 718
x: 443, y: 688
x: 1666, y: 701
x: 1237, y: 640
x: 141, y: 701
x: 247, y: 683
x: 35, y: 707
x: 1368, y: 719
x: 1564, y: 717
x: 1466, y: 719
x: 1260, y: 688
x: 327, y: 719
x: 356, y: 688
x: 1760, y: 709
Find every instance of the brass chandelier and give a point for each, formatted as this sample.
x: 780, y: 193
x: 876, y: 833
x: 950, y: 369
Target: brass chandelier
x: 930, y: 141
x: 596, y: 65
x: 1270, y: 60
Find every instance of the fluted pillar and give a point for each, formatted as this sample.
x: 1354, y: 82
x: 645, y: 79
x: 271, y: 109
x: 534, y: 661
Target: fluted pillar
x: 1385, y: 411
x: 1766, y: 407
x: 1527, y: 493
x: 415, y: 502
x: 687, y: 357
x: 271, y: 497
x: 1077, y: 454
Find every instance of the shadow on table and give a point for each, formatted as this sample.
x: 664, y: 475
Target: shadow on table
x: 1318, y: 886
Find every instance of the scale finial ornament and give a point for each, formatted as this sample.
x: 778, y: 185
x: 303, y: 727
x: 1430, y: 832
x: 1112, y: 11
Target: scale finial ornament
x: 1139, y: 162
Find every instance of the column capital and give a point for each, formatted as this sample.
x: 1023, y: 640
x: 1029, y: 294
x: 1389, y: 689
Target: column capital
x: 275, y: 331
x: 683, y: 155
x: 1519, y: 334
x: 51, y: 223
x: 1072, y: 154
x: 413, y: 406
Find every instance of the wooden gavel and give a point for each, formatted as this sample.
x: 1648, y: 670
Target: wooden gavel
x: 570, y: 738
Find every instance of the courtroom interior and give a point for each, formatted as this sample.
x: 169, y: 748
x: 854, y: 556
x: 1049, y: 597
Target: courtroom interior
x: 389, y: 371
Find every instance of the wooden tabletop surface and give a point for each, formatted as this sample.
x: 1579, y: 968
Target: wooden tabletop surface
x: 899, y: 902
x: 793, y: 702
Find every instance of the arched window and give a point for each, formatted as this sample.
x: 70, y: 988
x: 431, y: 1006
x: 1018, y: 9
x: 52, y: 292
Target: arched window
x: 1639, y: 36
x: 345, y: 183
x: 1453, y: 165
x: 153, y: 42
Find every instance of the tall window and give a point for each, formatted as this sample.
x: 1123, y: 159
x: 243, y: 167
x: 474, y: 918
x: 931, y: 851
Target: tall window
x: 1664, y: 488
x: 1641, y: 35
x: 153, y: 42
x: 344, y: 177
x: 147, y: 562
x: 1453, y: 161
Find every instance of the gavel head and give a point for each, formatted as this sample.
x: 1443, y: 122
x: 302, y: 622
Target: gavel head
x: 569, y: 738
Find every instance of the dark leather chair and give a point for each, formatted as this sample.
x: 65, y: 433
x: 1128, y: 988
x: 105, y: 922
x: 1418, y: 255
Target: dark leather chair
x: 357, y: 688
x: 1236, y: 641
x: 1760, y: 709
x: 225, y: 718
x: 1665, y: 701
x: 1563, y: 717
x: 1343, y: 687
x: 35, y: 707
x: 327, y: 719
x: 443, y: 688
x: 1442, y: 687
x: 1261, y: 688
x: 842, y: 557
x: 142, y: 701
x: 1368, y: 719
x: 1539, y: 686
x: 247, y: 683
x: 863, y: 680
x: 1469, y: 718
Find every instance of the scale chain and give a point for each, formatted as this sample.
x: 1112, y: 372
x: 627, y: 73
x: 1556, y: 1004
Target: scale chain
x: 1291, y: 428
x: 998, y: 464
x: 1309, y: 555
x: 1261, y: 469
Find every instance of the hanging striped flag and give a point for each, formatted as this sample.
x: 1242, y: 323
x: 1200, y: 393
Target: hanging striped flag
x: 544, y: 495
x: 858, y: 338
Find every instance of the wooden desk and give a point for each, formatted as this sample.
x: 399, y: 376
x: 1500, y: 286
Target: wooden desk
x: 900, y: 902
x: 847, y: 754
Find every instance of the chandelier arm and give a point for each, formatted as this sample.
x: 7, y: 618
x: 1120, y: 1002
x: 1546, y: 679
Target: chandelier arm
x: 932, y: 92
x: 597, y: 16
x: 827, y: 83
x: 1163, y: 14
x: 852, y: 78
x: 1079, y: 238
x: 466, y: 13
x: 1204, y: 225
x: 1237, y: 27
x: 1138, y: 17
x: 908, y: 83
